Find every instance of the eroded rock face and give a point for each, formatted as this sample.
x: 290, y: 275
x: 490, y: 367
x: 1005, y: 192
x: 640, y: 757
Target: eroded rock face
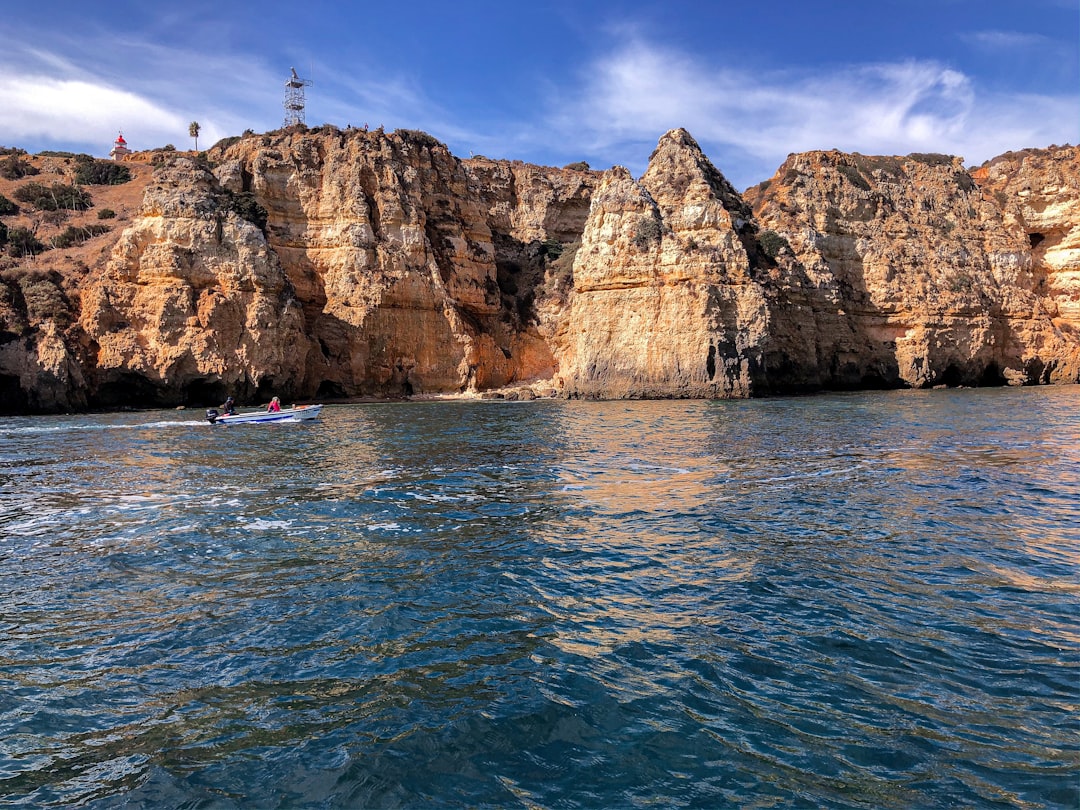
x: 1038, y: 191
x: 371, y: 268
x: 914, y: 274
x: 351, y: 263
x: 664, y: 302
x: 393, y: 246
x: 192, y: 303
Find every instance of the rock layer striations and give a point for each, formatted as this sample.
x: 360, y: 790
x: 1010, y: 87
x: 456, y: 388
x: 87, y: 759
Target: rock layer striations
x: 340, y: 264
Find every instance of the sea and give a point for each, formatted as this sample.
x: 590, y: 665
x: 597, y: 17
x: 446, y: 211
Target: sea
x: 864, y: 600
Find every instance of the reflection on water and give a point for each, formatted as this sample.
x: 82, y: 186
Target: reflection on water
x: 843, y: 601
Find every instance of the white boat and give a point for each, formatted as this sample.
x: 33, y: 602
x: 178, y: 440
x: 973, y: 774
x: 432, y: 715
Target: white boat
x: 301, y: 413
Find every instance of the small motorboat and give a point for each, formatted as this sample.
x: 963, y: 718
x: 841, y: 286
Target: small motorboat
x: 299, y: 413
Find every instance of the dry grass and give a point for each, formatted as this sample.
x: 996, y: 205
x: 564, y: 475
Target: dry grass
x: 73, y: 260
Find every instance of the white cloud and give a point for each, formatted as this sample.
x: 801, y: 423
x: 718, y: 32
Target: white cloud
x: 747, y: 122
x: 1007, y: 40
x: 80, y: 92
x: 66, y: 110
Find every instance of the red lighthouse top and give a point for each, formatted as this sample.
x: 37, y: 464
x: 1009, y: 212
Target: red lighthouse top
x: 120, y: 148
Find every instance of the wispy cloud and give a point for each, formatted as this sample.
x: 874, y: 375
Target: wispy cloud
x: 81, y: 91
x: 1007, y: 40
x: 61, y: 110
x: 749, y: 121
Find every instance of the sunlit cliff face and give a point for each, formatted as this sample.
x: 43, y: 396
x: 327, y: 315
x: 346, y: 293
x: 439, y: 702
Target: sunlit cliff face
x: 339, y: 264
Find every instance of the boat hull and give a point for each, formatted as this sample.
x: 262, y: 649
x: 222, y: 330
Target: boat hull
x: 304, y: 413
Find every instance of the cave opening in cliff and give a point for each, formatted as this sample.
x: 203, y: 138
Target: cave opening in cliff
x: 951, y: 376
x: 328, y: 389
x: 266, y: 390
x: 203, y: 393
x: 872, y: 381
x: 129, y: 391
x: 992, y: 376
x: 12, y: 397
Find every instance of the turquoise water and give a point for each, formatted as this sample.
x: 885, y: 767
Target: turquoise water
x: 857, y: 601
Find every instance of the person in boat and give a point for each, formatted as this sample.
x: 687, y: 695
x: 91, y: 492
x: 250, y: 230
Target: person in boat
x: 229, y: 407
x: 274, y: 406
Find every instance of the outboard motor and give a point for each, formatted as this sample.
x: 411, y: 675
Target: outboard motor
x: 211, y: 415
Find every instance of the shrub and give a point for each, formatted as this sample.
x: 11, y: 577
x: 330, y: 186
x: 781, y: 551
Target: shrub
x: 931, y: 158
x: 552, y: 248
x: 72, y: 235
x: 22, y: 242
x: 418, y: 137
x: 963, y: 179
x: 55, y: 218
x: 772, y: 243
x: 646, y: 232
x: 93, y: 172
x: 54, y: 197
x: 225, y: 143
x: 578, y: 166
x: 247, y: 207
x: 42, y: 297
x: 106, y: 213
x: 854, y: 177
x: 559, y: 275
x: 7, y: 207
x: 11, y: 150
x: 886, y: 164
x: 3, y: 234
x: 15, y: 168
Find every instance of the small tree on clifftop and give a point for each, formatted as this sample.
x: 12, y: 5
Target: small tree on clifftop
x: 193, y: 131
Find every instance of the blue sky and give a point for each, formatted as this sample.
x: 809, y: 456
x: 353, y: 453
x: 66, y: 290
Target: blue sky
x: 555, y: 82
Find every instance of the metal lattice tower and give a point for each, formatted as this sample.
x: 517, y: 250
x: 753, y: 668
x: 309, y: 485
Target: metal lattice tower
x: 294, y: 99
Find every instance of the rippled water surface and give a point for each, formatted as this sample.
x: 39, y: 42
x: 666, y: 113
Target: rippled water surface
x: 863, y: 601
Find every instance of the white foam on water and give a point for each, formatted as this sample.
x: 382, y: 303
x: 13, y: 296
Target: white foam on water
x: 261, y: 524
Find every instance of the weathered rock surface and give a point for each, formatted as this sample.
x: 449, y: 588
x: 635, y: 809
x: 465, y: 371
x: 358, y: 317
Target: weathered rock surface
x: 393, y: 247
x: 665, y: 303
x: 915, y: 275
x: 331, y: 264
x: 192, y: 302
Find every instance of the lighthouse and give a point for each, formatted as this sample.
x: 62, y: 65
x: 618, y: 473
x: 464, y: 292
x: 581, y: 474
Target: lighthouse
x: 120, y: 148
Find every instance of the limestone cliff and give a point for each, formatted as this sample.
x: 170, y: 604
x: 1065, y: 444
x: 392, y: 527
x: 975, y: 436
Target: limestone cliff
x: 338, y: 264
x: 393, y: 246
x: 1038, y: 191
x: 665, y: 303
x: 192, y: 302
x: 915, y: 275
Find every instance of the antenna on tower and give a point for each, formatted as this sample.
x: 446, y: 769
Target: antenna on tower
x: 294, y: 99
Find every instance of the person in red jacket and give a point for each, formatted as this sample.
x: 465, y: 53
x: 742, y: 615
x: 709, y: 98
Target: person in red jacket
x: 274, y: 406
